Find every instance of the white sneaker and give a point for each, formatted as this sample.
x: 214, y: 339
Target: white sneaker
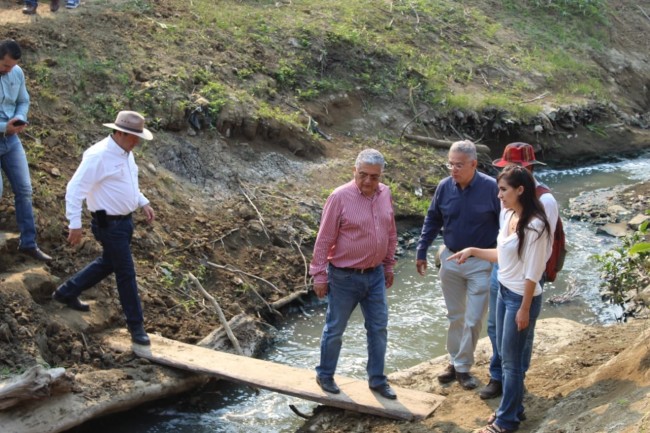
x: 72, y: 4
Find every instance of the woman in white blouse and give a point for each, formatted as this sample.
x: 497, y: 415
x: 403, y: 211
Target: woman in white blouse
x: 522, y: 244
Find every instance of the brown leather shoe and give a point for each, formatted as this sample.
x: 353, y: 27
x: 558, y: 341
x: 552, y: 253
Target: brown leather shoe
x: 449, y: 375
x: 54, y: 5
x: 466, y: 380
x: 36, y: 253
x: 29, y: 10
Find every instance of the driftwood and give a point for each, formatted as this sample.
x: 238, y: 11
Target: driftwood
x: 288, y: 299
x: 35, y: 383
x: 222, y: 317
x: 443, y: 144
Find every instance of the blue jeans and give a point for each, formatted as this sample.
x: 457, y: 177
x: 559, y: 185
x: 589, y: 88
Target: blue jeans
x: 14, y: 164
x: 346, y: 290
x: 495, y: 361
x: 512, y: 343
x: 116, y: 258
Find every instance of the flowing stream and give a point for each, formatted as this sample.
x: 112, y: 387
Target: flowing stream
x: 417, y: 327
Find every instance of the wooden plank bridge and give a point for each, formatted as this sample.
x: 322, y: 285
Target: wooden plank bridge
x: 298, y: 382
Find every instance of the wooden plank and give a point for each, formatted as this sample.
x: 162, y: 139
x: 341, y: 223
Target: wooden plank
x: 298, y: 382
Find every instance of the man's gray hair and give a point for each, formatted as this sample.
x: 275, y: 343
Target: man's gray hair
x: 466, y: 147
x: 370, y: 157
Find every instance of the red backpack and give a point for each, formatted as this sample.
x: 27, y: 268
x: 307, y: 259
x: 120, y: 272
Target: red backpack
x: 556, y: 261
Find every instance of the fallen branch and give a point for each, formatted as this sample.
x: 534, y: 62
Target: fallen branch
x: 238, y: 271
x: 646, y: 15
x: 259, y: 215
x: 35, y: 383
x: 217, y: 307
x: 230, y: 269
x: 411, y: 121
x: 304, y: 261
x: 288, y: 299
x: 444, y: 144
x: 542, y: 96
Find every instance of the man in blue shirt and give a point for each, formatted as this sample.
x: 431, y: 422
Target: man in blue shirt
x: 466, y: 208
x: 14, y: 104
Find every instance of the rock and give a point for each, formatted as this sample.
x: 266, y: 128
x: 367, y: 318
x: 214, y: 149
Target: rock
x: 617, y: 230
x: 639, y: 219
x: 617, y: 210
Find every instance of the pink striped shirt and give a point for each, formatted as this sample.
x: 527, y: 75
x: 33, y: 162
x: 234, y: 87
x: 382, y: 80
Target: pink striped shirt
x: 355, y: 231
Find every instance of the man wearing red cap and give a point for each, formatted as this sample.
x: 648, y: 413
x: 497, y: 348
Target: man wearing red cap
x: 521, y: 154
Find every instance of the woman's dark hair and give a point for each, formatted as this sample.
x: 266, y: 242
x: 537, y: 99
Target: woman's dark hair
x: 11, y: 47
x: 515, y: 176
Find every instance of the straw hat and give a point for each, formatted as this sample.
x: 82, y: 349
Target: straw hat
x: 131, y: 123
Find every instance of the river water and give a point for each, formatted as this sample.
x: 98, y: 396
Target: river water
x: 417, y: 327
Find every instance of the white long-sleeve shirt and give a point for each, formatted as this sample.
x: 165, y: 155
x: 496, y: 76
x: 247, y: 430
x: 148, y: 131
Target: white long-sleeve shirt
x: 515, y: 270
x: 107, y: 179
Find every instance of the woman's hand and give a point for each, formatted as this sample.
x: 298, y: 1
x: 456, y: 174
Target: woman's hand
x: 522, y: 319
x: 461, y: 256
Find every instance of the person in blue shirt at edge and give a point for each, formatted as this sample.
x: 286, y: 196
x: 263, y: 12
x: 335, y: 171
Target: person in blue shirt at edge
x: 14, y: 106
x: 521, y: 154
x: 466, y: 208
x: 522, y: 246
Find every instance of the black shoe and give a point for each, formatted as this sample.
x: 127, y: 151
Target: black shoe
x: 139, y: 336
x: 492, y: 390
x: 385, y: 391
x: 72, y: 302
x: 29, y: 10
x: 449, y: 375
x: 327, y: 384
x: 466, y: 380
x: 36, y: 253
x: 54, y: 5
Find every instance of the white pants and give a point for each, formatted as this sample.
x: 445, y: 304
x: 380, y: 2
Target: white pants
x: 466, y: 289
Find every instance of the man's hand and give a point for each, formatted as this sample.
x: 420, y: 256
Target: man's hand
x: 389, y: 277
x: 14, y: 129
x: 320, y: 289
x: 421, y: 266
x: 149, y: 213
x: 74, y: 236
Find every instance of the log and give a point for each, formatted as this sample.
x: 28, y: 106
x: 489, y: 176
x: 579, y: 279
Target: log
x: 35, y: 383
x: 288, y: 299
x: 444, y: 144
x: 222, y: 317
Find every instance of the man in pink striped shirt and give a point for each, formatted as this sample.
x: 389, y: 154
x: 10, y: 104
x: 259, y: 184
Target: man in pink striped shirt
x: 353, y: 264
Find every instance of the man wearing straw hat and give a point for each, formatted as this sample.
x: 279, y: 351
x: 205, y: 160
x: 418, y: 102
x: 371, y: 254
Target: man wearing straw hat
x: 107, y: 179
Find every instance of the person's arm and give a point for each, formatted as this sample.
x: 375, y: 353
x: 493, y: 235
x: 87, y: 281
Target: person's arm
x: 389, y: 260
x: 551, y: 209
x: 489, y: 254
x: 327, y: 235
x: 78, y: 188
x: 523, y: 314
x: 432, y: 224
x: 22, y: 101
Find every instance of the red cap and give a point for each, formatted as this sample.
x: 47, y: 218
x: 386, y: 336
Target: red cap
x: 517, y: 153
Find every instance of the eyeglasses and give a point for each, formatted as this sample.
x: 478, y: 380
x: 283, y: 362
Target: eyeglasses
x: 373, y: 177
x: 457, y: 165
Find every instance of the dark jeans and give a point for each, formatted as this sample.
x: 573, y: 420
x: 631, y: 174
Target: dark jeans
x: 347, y: 290
x: 116, y: 258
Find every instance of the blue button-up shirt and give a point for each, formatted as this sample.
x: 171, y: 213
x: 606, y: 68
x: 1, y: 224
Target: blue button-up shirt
x: 14, y: 99
x: 468, y: 217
